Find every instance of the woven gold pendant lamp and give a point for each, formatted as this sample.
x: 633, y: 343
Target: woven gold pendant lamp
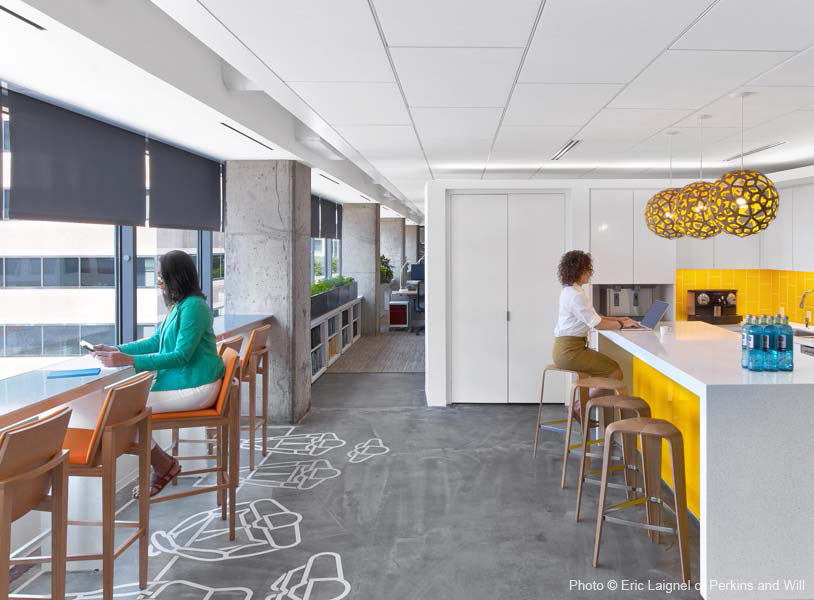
x: 695, y: 216
x: 744, y: 201
x: 660, y: 210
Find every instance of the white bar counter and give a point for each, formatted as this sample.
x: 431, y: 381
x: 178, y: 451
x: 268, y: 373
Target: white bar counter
x: 755, y: 453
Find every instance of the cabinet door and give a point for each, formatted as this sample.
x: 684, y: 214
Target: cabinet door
x: 803, y: 210
x: 733, y: 252
x: 694, y: 254
x: 612, y: 235
x: 536, y: 243
x: 478, y: 364
x: 777, y: 242
x: 654, y: 258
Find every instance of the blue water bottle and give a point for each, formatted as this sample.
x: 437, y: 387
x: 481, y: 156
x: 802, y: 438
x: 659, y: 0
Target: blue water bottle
x: 756, y: 362
x: 785, y: 346
x: 769, y: 344
x: 747, y: 325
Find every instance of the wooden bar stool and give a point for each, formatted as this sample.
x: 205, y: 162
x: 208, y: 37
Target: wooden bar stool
x: 583, y: 386
x: 225, y: 417
x: 618, y: 405
x: 235, y: 343
x: 650, y: 433
x: 123, y: 427
x: 256, y: 362
x: 32, y: 461
x: 550, y: 425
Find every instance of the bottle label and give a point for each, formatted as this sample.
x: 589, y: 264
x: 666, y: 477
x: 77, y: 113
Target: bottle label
x: 752, y: 345
x: 744, y: 340
x: 764, y: 343
x: 781, y: 343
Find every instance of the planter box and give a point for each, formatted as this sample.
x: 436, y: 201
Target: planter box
x: 332, y: 299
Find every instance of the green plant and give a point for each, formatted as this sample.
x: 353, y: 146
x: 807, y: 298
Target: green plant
x: 329, y: 284
x: 385, y: 269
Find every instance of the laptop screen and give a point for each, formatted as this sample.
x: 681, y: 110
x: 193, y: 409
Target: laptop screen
x: 654, y: 314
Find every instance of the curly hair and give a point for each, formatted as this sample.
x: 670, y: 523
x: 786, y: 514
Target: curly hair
x: 572, y: 265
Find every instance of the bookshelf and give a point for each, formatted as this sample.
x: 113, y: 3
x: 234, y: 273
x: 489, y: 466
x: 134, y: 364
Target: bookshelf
x: 334, y: 333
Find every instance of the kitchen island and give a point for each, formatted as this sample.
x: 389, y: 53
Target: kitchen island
x: 748, y: 449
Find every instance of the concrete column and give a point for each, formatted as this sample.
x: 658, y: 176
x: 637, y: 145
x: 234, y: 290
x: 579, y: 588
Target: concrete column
x: 392, y: 235
x: 411, y: 243
x: 267, y: 216
x: 360, y: 258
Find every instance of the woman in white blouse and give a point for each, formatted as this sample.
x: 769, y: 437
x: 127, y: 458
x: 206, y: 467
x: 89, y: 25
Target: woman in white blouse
x: 577, y: 317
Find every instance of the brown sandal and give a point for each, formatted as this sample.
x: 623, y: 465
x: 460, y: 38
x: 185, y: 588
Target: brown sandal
x: 159, y: 482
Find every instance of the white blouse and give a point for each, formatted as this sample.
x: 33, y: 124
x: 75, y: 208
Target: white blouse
x: 577, y: 315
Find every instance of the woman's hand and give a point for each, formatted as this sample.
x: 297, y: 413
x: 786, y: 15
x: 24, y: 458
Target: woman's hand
x: 105, y: 348
x: 628, y: 322
x: 114, y: 359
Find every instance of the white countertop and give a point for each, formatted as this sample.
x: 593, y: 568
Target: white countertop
x: 697, y: 355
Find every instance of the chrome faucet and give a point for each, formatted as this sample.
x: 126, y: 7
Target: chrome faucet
x: 803, y: 301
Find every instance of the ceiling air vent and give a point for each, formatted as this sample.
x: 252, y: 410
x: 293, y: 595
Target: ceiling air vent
x: 565, y: 149
x: 754, y: 151
x: 246, y: 135
x: 22, y: 18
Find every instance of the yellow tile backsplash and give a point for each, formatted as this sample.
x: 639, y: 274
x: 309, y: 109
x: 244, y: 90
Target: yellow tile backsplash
x: 760, y: 291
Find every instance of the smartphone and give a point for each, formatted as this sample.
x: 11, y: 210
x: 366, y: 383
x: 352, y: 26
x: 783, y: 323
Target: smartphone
x: 86, y: 345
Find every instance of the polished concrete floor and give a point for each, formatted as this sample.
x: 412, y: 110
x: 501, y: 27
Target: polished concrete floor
x: 377, y: 497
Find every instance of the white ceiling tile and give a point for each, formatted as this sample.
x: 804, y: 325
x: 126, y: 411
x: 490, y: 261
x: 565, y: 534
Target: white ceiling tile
x: 686, y: 144
x: 629, y: 125
x: 508, y: 173
x: 412, y: 188
x: 557, y: 103
x: 456, y: 22
x: 753, y: 25
x: 596, y: 41
x: 443, y: 153
x: 529, y: 146
x: 342, y: 103
x: 456, y: 76
x: 795, y: 71
x: 693, y: 78
x: 414, y: 167
x: 446, y: 123
x: 764, y: 104
x: 309, y: 40
x: 554, y: 173
x: 473, y: 173
x: 382, y: 141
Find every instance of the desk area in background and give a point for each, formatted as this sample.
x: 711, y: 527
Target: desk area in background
x: 407, y: 303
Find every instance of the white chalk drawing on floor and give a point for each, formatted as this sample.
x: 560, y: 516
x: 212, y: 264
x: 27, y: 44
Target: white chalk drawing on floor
x: 262, y: 526
x: 367, y: 450
x: 169, y: 590
x: 300, y: 444
x: 291, y: 475
x: 321, y: 578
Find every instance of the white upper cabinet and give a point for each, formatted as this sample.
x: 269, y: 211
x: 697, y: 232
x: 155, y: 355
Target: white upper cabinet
x: 777, y: 240
x: 612, y: 235
x: 694, y: 254
x: 803, y: 236
x: 654, y: 257
x: 733, y: 252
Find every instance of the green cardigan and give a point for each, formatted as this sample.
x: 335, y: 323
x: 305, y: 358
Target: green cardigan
x: 182, y: 349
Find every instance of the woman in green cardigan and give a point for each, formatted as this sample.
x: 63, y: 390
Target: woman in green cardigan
x: 182, y: 352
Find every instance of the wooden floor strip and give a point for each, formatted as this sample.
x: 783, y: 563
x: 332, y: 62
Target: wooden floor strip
x: 396, y: 352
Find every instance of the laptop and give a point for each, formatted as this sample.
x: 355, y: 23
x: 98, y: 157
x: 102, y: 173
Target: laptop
x: 652, y: 318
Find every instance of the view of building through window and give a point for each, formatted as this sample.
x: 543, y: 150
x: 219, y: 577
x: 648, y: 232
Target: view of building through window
x: 326, y: 258
x: 218, y: 270
x: 57, y: 287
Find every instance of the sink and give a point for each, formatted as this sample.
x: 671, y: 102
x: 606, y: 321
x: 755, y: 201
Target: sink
x: 803, y: 332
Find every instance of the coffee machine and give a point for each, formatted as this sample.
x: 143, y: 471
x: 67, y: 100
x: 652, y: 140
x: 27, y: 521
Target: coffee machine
x: 719, y: 307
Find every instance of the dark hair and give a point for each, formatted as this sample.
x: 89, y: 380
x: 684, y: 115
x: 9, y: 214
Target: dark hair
x: 177, y: 270
x: 572, y: 265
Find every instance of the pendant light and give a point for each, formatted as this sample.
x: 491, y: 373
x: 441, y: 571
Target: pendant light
x: 695, y: 217
x: 660, y: 210
x: 744, y: 201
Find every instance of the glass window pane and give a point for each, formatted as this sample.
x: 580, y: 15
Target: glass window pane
x: 336, y: 258
x: 318, y: 252
x: 23, y: 272
x: 60, y: 340
x: 2, y: 268
x: 99, y: 334
x: 23, y: 340
x: 60, y: 272
x: 145, y: 271
x: 218, y: 272
x: 99, y: 271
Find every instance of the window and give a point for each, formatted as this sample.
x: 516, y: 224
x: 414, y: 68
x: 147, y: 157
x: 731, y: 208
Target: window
x: 145, y: 271
x: 317, y: 259
x: 59, y: 288
x: 218, y: 272
x: 60, y: 272
x: 336, y: 257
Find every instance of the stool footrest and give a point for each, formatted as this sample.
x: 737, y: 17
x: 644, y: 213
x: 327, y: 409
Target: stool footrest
x: 616, y: 486
x: 639, y: 525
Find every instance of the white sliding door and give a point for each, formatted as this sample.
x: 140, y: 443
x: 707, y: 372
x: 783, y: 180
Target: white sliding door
x: 536, y: 234
x: 478, y: 365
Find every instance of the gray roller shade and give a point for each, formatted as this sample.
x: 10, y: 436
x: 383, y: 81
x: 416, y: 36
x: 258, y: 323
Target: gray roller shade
x: 185, y: 189
x: 314, y: 216
x: 339, y: 221
x: 327, y: 219
x: 69, y: 167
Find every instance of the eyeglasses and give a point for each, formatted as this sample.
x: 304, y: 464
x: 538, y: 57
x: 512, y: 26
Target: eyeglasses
x: 159, y: 280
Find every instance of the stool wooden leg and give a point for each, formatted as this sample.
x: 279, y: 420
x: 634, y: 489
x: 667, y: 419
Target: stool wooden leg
x: 108, y: 514
x: 583, y: 459
x: 143, y: 501
x: 629, y: 459
x: 265, y: 381
x: 680, y: 504
x: 5, y: 541
x: 225, y: 473
x: 218, y: 437
x: 174, y: 449
x: 603, y: 492
x: 234, y: 474
x: 569, y: 425
x: 651, y: 457
x: 252, y: 410
x: 539, y: 415
x: 59, y: 531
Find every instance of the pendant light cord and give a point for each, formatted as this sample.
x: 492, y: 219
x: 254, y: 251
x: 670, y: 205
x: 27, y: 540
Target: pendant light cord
x: 671, y: 161
x: 742, y: 97
x: 700, y: 148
